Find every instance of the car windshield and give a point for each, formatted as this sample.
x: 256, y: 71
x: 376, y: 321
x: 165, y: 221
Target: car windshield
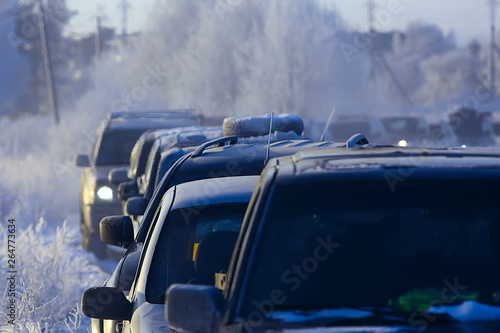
x: 116, y: 146
x: 437, y: 132
x: 344, y: 130
x: 496, y: 128
x: 175, y: 257
x: 365, y: 245
x: 150, y: 171
x: 401, y: 126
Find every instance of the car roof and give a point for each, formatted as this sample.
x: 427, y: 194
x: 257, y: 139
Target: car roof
x: 188, y: 136
x: 391, y: 164
x: 150, y: 119
x: 148, y: 123
x: 241, y: 159
x: 214, y: 191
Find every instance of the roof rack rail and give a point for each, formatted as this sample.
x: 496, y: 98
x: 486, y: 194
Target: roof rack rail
x: 218, y: 142
x: 356, y: 139
x: 149, y: 113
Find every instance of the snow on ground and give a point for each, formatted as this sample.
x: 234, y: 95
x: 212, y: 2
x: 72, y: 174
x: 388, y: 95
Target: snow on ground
x: 39, y: 189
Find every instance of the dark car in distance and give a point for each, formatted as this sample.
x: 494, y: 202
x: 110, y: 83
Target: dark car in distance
x: 113, y: 144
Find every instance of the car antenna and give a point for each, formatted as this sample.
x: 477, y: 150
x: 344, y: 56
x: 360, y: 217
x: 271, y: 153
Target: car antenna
x: 269, y: 137
x: 327, y: 125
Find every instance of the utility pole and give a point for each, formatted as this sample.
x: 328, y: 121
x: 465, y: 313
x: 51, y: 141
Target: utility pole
x: 371, y: 8
x: 378, y: 62
x: 124, y: 5
x: 371, y: 32
x: 47, y: 63
x: 493, y: 46
x: 98, y: 35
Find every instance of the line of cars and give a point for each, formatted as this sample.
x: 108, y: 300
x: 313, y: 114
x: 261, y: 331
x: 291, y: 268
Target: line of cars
x: 332, y: 235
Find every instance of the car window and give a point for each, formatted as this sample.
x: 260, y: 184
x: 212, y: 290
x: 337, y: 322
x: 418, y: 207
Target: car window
x: 160, y: 213
x: 116, y: 146
x: 332, y: 247
x: 400, y: 125
x: 342, y: 131
x: 176, y: 250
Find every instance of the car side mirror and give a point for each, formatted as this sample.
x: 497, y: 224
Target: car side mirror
x: 117, y: 230
x: 82, y: 161
x: 136, y: 206
x: 118, y: 175
x: 106, y: 303
x: 127, y: 190
x: 193, y: 308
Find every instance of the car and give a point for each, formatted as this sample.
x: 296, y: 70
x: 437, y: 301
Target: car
x: 378, y: 239
x: 185, y: 138
x: 472, y: 128
x: 196, y: 227
x: 223, y: 157
x: 139, y: 158
x: 113, y: 144
x: 344, y: 126
x: 494, y: 118
x: 127, y: 181
x: 407, y: 130
x: 442, y: 135
x: 160, y: 154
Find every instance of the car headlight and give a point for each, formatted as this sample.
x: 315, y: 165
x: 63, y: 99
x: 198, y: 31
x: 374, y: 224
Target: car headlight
x: 105, y: 193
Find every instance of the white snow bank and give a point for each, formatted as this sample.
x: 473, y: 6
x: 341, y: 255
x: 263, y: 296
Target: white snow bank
x: 52, y: 273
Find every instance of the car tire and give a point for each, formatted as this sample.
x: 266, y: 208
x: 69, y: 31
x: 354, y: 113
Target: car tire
x: 92, y: 242
x: 259, y: 126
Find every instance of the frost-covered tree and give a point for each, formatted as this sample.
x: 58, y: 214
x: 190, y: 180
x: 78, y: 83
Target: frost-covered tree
x: 26, y: 40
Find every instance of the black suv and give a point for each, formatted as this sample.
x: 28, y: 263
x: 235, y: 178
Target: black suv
x: 226, y: 159
x: 472, y: 127
x: 112, y: 147
x: 389, y: 239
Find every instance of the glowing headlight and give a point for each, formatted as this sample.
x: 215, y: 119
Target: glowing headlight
x: 402, y: 143
x: 105, y: 193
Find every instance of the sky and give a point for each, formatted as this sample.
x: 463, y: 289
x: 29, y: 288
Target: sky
x: 469, y: 19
